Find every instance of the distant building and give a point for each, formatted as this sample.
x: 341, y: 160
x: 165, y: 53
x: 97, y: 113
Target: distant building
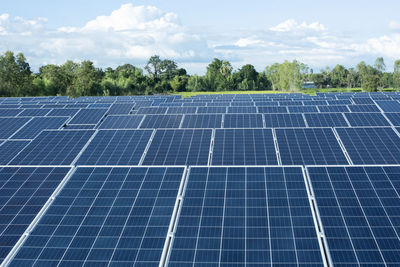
x: 309, y: 85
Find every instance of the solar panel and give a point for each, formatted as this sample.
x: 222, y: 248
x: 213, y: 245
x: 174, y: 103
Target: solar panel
x: 80, y: 127
x: 363, y: 108
x: 69, y: 112
x: 9, y: 112
x: 115, y: 147
x: 23, y: 193
x: 309, y: 146
x: 290, y: 103
x: 325, y: 119
x: 121, y: 122
x: 363, y: 100
x: 88, y: 116
x: 272, y: 110
x: 53, y: 148
x: 284, y: 120
x: 366, y: 119
x: 106, y: 216
x: 394, y: 118
x: 359, y: 208
x: 179, y: 147
x: 244, y: 147
x: 245, y: 217
x: 121, y: 108
x: 302, y: 109
x: 243, y: 121
x: 202, y: 121
x: 338, y: 108
x: 9, y: 149
x: 389, y: 106
x: 161, y: 121
x: 152, y: 110
x: 371, y: 145
x: 181, y: 110
x: 242, y: 109
x: 202, y: 110
x: 10, y: 125
x: 38, y: 124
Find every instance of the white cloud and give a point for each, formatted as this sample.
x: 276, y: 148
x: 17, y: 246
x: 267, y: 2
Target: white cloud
x: 386, y: 45
x: 245, y: 42
x: 394, y: 25
x: 292, y: 25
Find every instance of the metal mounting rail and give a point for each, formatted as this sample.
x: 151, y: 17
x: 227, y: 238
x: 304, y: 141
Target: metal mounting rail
x: 84, y: 148
x: 210, y: 154
x: 147, y: 147
x: 342, y: 146
x: 278, y: 154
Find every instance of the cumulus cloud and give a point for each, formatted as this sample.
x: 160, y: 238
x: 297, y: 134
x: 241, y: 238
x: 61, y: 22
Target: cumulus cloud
x: 291, y: 25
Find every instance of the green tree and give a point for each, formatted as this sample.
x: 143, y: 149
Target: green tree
x: 396, y: 74
x: 153, y: 66
x: 338, y: 76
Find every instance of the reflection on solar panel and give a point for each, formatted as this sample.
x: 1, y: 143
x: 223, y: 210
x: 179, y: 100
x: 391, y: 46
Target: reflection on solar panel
x: 302, y: 109
x: 284, y: 120
x: 272, y: 110
x: 9, y: 149
x: 366, y: 119
x: 363, y: 108
x: 333, y: 108
x: 88, y: 116
x: 34, y: 112
x: 242, y: 109
x: 325, y: 119
x: 23, y: 193
x: 359, y: 209
x: 389, y: 106
x: 312, y: 146
x: 116, y: 147
x: 36, y: 125
x: 371, y: 145
x: 202, y: 121
x: 244, y: 147
x: 63, y: 112
x: 179, y: 147
x: 161, y: 121
x: 53, y: 148
x: 121, y: 108
x: 245, y: 217
x: 106, y: 216
x: 10, y: 125
x: 121, y: 122
x: 394, y: 118
x: 201, y: 110
x: 181, y: 110
x: 243, y: 121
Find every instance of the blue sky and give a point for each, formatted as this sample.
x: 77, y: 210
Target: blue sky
x: 318, y: 33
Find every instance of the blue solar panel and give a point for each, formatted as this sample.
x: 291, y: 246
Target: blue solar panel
x: 121, y: 122
x: 202, y: 110
x: 54, y: 148
x: 69, y: 112
x: 9, y: 149
x: 116, y: 147
x: 34, y: 112
x: 272, y: 110
x: 366, y: 119
x: 389, y: 106
x: 371, y: 145
x: 181, y: 110
x: 363, y: 101
x: 363, y: 108
x: 290, y: 103
x: 88, y: 116
x: 245, y: 217
x: 244, y: 147
x: 106, y: 216
x: 161, y: 121
x: 394, y: 118
x: 202, y: 121
x: 10, y: 125
x: 36, y: 125
x: 302, y: 109
x: 179, y: 147
x: 23, y: 193
x: 325, y: 120
x: 242, y: 109
x: 121, y: 108
x: 284, y: 120
x: 359, y: 209
x: 243, y: 121
x: 338, y: 108
x: 80, y: 127
x: 309, y: 146
x: 9, y: 112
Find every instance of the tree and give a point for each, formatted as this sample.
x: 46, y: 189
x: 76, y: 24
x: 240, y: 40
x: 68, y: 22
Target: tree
x: 352, y: 77
x: 396, y: 74
x: 338, y: 76
x: 153, y: 66
x: 380, y: 64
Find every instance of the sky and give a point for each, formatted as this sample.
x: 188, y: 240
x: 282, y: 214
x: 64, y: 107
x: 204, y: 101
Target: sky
x: 318, y: 33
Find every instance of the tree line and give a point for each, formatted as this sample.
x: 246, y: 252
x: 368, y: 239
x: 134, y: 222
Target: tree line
x: 161, y: 76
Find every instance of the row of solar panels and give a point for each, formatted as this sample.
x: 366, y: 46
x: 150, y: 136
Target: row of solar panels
x: 211, y: 216
x: 287, y: 146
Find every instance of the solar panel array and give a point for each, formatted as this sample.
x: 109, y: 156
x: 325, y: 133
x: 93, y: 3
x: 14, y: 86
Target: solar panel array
x: 210, y: 180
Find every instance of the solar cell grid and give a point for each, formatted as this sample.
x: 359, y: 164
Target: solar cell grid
x: 202, y: 121
x: 325, y: 120
x: 121, y: 108
x: 363, y: 108
x: 284, y: 120
x: 243, y: 121
x: 238, y: 109
x: 394, y: 118
x: 9, y: 112
x: 202, y: 110
x: 88, y: 116
x: 38, y: 124
x: 181, y: 110
x: 272, y: 109
x: 32, y: 112
x: 337, y: 108
x: 152, y: 110
x: 63, y: 112
x: 389, y: 106
x: 10, y: 125
x: 302, y: 109
x: 121, y: 122
x: 366, y: 119
x: 161, y: 121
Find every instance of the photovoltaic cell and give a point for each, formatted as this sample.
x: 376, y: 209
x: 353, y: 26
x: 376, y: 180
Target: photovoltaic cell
x: 366, y: 119
x: 202, y: 121
x: 203, y: 110
x: 181, y: 110
x: 88, y: 116
x: 325, y: 120
x: 389, y: 106
x: 105, y: 217
x: 161, y: 121
x: 23, y: 193
x: 53, y: 148
x: 9, y: 149
x: 371, y: 145
x: 363, y: 101
x: 179, y: 147
x: 34, y: 112
x: 363, y: 108
x: 152, y: 110
x: 245, y: 217
x: 9, y: 112
x: 38, y: 124
x: 272, y: 110
x: 359, y: 209
x: 242, y: 109
x: 116, y: 147
x: 394, y: 118
x: 309, y: 146
x: 284, y: 120
x: 10, y: 125
x: 121, y: 122
x: 121, y: 108
x: 244, y: 147
x: 243, y: 121
x: 338, y: 108
x: 63, y: 112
